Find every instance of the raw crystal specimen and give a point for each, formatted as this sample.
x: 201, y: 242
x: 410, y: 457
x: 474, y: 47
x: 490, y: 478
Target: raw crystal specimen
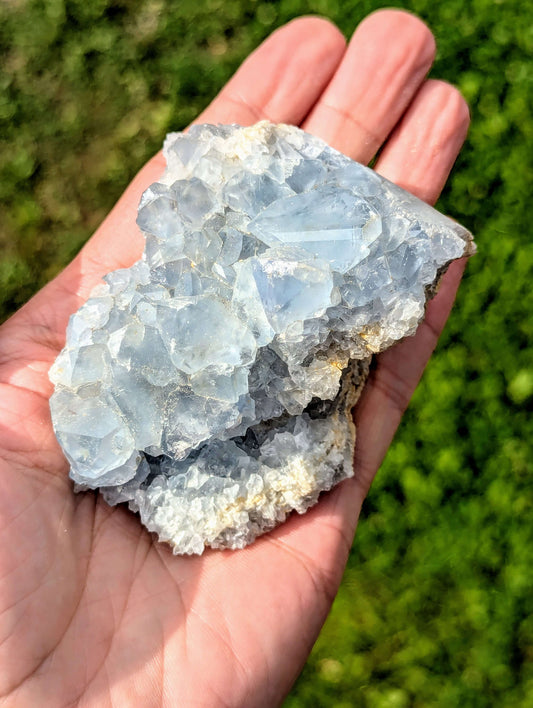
x: 209, y: 386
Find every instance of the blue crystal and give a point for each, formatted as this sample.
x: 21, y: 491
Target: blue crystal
x: 209, y: 386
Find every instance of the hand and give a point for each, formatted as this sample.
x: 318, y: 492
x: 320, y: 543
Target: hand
x: 93, y: 612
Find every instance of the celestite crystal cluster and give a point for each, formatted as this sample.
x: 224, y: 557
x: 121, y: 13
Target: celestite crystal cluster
x: 209, y: 386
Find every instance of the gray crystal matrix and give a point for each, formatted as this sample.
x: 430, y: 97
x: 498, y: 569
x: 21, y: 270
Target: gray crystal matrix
x: 210, y: 385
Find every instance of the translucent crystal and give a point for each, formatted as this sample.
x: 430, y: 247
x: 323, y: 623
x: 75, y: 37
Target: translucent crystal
x: 209, y: 386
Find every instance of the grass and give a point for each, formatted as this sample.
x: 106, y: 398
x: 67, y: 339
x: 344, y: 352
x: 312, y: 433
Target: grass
x: 436, y: 604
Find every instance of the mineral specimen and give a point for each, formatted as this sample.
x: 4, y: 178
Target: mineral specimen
x: 210, y: 385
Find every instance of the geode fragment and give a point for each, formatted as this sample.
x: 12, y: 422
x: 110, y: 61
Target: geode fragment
x: 210, y: 385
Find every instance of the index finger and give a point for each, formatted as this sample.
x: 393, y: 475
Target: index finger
x: 280, y: 81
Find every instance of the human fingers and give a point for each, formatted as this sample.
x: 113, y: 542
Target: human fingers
x: 386, y: 61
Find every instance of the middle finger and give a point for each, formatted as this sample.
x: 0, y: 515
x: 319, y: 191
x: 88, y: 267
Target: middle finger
x: 386, y: 62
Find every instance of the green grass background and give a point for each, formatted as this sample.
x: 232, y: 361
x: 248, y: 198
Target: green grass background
x: 436, y: 604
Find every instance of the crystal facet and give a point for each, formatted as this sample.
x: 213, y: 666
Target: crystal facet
x: 210, y: 385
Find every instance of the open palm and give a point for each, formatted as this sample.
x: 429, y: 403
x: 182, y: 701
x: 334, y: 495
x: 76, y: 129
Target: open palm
x: 93, y: 611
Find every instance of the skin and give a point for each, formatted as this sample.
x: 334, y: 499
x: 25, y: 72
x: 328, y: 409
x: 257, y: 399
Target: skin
x: 93, y: 611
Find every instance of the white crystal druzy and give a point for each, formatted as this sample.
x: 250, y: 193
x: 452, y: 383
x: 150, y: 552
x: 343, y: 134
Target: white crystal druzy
x: 209, y: 386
